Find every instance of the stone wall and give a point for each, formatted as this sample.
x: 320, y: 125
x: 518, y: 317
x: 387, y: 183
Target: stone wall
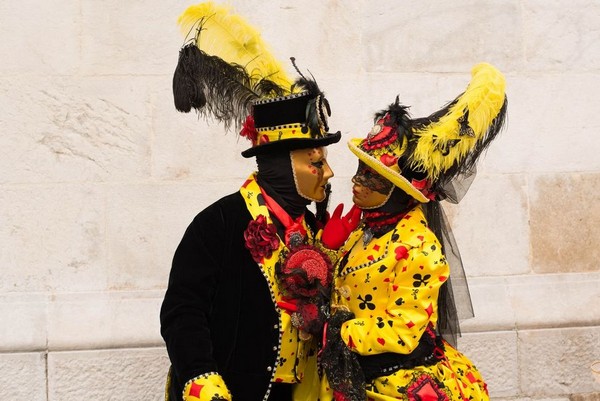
x: 99, y: 177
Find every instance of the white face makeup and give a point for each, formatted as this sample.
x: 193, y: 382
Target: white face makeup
x: 311, y: 172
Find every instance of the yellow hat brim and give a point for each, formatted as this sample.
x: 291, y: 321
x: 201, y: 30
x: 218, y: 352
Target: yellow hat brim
x: 386, y: 172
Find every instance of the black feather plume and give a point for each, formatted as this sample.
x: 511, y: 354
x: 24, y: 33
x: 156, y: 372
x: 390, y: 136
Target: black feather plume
x: 187, y: 91
x: 215, y: 88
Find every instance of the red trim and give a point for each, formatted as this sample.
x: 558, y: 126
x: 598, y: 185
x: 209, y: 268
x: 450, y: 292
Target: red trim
x: 290, y: 224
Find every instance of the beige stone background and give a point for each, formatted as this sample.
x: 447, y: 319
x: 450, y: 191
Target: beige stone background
x: 99, y: 177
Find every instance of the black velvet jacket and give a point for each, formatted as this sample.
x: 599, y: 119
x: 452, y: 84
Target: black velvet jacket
x: 217, y: 314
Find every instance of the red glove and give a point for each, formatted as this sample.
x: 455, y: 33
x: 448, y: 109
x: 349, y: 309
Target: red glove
x: 338, y: 228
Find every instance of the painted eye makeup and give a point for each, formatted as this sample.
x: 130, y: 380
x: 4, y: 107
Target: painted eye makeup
x: 318, y: 164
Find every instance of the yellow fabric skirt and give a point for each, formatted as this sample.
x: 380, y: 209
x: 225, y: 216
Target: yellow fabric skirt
x: 453, y: 378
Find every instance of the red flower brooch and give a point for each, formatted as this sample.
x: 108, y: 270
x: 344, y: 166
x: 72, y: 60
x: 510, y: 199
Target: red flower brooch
x: 306, y: 271
x: 305, y: 274
x: 261, y: 238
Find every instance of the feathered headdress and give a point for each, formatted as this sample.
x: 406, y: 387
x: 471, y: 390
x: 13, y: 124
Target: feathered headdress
x: 227, y: 72
x: 422, y: 155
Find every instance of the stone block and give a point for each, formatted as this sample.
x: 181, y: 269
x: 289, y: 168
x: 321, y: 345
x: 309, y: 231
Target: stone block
x: 495, y: 355
x: 539, y: 137
x: 23, y: 376
x: 318, y: 34
x: 190, y: 147
x: 139, y: 255
x: 565, y: 222
x: 130, y: 38
x: 285, y: 27
x: 557, y: 362
x: 491, y: 226
x: 39, y: 38
x: 585, y: 397
x: 561, y: 39
x: 123, y: 374
x: 104, y: 320
x: 73, y: 129
x: 421, y: 91
x: 351, y: 109
x: 492, y: 305
x: 533, y: 302
x: 555, y: 300
x: 24, y: 322
x: 429, y: 36
x: 53, y: 238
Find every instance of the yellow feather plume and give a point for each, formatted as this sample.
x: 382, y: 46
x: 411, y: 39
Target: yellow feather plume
x: 220, y: 33
x: 446, y: 141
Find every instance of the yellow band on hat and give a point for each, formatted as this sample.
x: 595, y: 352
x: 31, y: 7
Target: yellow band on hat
x: 282, y: 132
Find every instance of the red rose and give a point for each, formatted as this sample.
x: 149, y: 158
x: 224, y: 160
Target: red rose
x: 261, y: 238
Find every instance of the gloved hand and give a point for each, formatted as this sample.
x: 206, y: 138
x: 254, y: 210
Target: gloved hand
x: 338, y: 228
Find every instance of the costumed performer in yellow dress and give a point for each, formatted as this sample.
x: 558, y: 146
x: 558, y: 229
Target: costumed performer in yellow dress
x: 392, y: 312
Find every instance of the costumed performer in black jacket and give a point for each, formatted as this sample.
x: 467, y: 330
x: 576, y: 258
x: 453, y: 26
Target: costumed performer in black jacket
x: 249, y: 285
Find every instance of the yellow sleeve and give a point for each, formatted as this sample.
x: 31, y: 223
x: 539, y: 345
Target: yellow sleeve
x: 207, y: 387
x: 410, y: 298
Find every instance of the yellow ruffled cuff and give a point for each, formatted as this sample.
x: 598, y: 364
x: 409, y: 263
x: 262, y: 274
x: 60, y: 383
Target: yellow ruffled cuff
x: 206, y: 387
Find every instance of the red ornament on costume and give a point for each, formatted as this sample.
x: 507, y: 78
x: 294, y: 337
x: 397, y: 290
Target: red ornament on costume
x: 305, y: 271
x: 261, y: 238
x: 248, y: 130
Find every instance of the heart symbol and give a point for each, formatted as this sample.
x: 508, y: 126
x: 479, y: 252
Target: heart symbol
x: 389, y: 160
x: 401, y: 253
x: 351, y: 343
x: 381, y: 341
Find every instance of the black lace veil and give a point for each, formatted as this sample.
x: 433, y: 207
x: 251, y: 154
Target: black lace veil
x: 454, y: 301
